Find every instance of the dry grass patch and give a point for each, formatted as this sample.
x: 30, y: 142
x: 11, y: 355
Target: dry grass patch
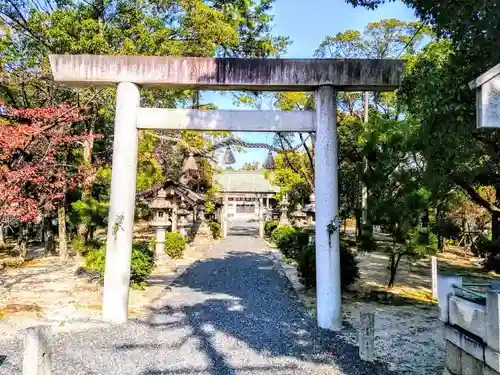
x: 19, y: 308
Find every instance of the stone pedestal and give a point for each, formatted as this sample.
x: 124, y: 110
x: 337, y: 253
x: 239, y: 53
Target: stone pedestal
x: 203, y: 228
x: 202, y: 232
x: 162, y: 259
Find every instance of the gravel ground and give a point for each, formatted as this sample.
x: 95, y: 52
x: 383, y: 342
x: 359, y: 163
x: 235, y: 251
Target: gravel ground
x: 229, y: 314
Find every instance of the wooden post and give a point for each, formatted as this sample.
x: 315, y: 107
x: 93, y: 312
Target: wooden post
x: 367, y: 336
x: 434, y: 270
x: 261, y: 219
x: 224, y: 217
x: 37, y: 358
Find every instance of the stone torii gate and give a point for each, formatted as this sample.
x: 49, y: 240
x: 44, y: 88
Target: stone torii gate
x: 129, y: 73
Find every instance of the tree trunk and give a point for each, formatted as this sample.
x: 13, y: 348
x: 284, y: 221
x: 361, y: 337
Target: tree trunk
x: 366, y: 228
x: 50, y: 245
x: 425, y: 219
x: 2, y: 238
x: 495, y: 218
x: 393, y: 267
x: 22, y: 244
x: 366, y: 225
x: 358, y: 228
x: 439, y: 220
x: 88, y: 146
x: 40, y: 236
x: 63, y: 245
x: 91, y: 232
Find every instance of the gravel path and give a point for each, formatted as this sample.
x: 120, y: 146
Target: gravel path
x: 230, y: 314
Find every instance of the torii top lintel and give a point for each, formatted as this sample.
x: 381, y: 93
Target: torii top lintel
x: 227, y: 74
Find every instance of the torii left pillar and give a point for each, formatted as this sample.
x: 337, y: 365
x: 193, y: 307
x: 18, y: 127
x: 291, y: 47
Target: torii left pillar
x: 122, y: 205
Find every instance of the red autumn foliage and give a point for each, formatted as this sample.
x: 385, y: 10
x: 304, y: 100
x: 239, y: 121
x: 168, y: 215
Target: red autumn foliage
x: 35, y: 159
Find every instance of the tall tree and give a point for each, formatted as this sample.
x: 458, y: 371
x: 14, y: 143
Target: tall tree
x: 180, y: 28
x: 436, y: 93
x: 37, y: 166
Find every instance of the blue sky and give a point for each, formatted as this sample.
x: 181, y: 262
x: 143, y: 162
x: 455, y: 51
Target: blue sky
x: 307, y: 23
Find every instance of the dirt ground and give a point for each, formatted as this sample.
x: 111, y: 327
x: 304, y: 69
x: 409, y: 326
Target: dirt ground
x: 43, y: 291
x: 407, y: 331
x: 408, y: 334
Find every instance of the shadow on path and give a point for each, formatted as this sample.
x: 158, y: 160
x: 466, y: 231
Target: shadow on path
x: 251, y: 306
x: 248, y: 227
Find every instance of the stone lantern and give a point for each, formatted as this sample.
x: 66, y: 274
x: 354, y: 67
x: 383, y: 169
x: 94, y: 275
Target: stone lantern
x: 284, y: 211
x: 299, y: 217
x: 182, y: 223
x: 160, y: 207
x: 310, y: 210
x: 203, y: 228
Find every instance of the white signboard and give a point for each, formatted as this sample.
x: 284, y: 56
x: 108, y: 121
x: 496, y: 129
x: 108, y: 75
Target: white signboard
x: 489, y: 116
x: 487, y: 88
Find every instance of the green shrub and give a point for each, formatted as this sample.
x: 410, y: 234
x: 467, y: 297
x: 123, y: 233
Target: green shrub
x: 79, y: 245
x: 447, y: 229
x: 270, y: 226
x: 367, y: 243
x: 301, y: 238
x: 95, y: 260
x: 306, y: 266
x: 483, y: 245
x: 142, y: 263
x: 284, y: 237
x: 175, y: 243
x: 492, y: 261
x: 290, y: 241
x: 214, y: 228
x: 421, y: 242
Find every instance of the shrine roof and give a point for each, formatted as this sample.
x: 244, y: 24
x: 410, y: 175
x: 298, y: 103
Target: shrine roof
x: 244, y: 182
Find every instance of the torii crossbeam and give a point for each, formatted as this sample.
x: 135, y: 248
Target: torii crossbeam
x: 129, y: 73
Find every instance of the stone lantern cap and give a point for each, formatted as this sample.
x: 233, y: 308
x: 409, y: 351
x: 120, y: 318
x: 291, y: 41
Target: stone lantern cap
x: 160, y: 202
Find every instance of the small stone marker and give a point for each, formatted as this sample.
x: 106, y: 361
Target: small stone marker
x: 37, y: 358
x: 434, y: 270
x: 367, y: 336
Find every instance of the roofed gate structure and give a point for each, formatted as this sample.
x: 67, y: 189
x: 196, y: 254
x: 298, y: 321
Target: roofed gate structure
x: 245, y: 194
x: 129, y: 73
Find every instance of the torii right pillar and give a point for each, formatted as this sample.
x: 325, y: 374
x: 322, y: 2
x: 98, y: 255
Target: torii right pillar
x: 328, y: 306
